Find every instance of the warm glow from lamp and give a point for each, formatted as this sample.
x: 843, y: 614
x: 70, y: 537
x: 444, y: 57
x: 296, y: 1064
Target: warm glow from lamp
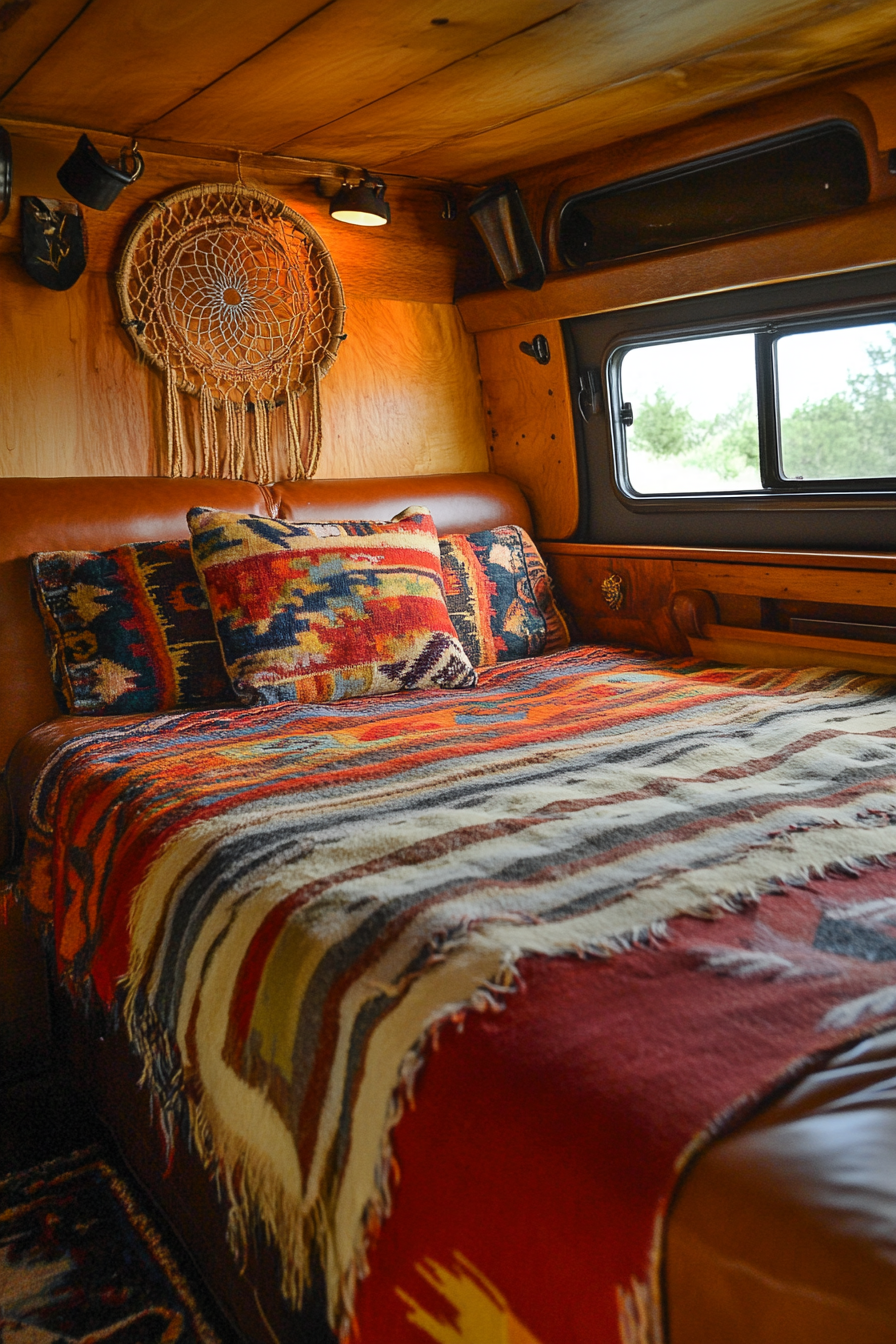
x: 364, y: 204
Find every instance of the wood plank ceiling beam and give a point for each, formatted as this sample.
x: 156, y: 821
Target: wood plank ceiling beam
x: 27, y: 31
x: 344, y: 61
x: 570, y: 88
x: 769, y: 63
x: 120, y: 66
x: 501, y: 86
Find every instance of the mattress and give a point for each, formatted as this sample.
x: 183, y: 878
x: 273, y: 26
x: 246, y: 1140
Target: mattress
x: 523, y: 1183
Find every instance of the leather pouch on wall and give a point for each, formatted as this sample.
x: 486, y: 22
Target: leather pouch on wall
x: 54, y: 245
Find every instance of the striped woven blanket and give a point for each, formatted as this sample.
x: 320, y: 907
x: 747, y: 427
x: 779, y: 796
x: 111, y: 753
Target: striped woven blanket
x: 294, y: 898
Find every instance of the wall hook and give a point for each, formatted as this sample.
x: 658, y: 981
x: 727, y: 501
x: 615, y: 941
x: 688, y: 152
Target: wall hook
x: 537, y: 349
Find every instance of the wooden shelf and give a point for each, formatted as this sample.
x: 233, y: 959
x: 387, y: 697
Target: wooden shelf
x: 776, y: 648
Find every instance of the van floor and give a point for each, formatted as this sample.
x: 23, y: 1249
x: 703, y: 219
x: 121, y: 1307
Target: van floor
x: 41, y: 1118
x: 44, y: 1117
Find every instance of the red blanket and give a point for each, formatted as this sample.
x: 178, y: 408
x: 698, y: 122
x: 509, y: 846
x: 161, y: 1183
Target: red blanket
x: 541, y: 1139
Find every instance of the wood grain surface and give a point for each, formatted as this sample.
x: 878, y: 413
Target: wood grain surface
x: 493, y: 89
x: 671, y: 596
x: 608, y: 75
x: 121, y: 65
x: 850, y: 241
x: 28, y: 32
x: 414, y: 258
x: 73, y: 399
x: 789, y: 582
x: 772, y: 648
x: 644, y: 619
x: 346, y: 56
x: 402, y: 397
x: 529, y: 424
x: 875, y: 561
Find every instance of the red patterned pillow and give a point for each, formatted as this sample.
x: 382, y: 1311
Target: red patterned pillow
x: 499, y: 596
x: 325, y: 611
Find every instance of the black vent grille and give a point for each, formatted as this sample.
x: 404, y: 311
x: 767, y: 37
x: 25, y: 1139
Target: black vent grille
x: 799, y: 176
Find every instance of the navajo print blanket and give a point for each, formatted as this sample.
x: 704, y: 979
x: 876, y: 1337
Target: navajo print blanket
x: 292, y: 900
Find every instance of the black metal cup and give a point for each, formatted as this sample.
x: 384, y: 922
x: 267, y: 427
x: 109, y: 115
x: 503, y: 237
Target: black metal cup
x: 91, y: 180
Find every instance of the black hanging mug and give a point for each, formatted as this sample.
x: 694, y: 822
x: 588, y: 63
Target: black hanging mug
x: 91, y: 180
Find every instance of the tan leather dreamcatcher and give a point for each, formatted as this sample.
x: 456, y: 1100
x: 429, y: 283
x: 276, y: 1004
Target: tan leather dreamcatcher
x: 235, y: 298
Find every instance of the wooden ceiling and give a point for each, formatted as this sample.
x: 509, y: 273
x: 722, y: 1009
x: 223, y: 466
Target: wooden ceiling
x: 465, y: 89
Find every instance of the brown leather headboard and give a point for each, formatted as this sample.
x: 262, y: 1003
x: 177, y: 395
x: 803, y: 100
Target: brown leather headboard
x: 94, y: 513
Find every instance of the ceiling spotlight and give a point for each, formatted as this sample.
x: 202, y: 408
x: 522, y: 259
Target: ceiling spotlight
x: 364, y: 204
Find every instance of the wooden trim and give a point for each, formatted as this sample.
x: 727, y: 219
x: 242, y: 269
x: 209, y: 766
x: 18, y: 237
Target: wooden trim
x: 669, y: 602
x: 787, y: 583
x: 851, y: 241
x: 731, y: 129
x: 774, y: 648
x: 876, y: 561
x: 529, y: 424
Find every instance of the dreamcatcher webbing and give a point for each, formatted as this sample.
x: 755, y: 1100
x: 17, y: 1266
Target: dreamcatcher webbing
x: 235, y: 297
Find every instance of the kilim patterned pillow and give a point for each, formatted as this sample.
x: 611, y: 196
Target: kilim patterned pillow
x: 499, y: 596
x: 128, y: 630
x: 325, y: 611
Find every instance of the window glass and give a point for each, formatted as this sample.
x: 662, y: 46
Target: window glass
x: 837, y: 402
x: 695, y: 427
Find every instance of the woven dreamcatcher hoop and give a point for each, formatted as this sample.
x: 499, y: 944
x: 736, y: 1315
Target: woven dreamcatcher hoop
x: 235, y: 298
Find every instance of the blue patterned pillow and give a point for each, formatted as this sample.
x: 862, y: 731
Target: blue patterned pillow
x: 499, y: 596
x: 129, y: 630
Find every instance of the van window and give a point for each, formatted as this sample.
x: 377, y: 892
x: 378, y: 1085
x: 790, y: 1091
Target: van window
x: 776, y: 409
x: 837, y: 403
x: 762, y: 417
x: 694, y: 425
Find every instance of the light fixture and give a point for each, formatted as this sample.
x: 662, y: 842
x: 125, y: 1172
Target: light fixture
x: 362, y: 204
x: 500, y: 217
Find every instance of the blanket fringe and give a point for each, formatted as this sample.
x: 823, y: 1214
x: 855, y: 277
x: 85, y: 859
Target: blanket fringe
x: 251, y: 1186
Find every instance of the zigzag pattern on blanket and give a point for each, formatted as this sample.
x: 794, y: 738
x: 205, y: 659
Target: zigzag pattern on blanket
x: 346, y: 877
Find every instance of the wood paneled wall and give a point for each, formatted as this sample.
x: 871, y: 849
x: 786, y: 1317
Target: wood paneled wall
x: 529, y: 421
x: 531, y: 435
x: 403, y: 395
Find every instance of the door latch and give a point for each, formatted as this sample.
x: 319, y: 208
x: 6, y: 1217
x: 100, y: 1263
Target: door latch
x: 589, y: 393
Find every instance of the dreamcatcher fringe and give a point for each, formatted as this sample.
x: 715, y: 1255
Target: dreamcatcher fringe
x: 263, y: 441
x: 208, y: 433
x: 229, y: 459
x: 299, y: 468
x: 174, y: 425
x: 235, y: 434
x: 294, y: 437
x: 314, y: 428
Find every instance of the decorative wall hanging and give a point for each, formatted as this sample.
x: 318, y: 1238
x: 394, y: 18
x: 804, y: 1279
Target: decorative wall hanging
x: 54, y: 248
x: 91, y: 180
x: 235, y: 298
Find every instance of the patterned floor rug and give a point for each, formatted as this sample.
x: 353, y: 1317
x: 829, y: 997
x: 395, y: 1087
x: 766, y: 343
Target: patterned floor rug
x: 81, y: 1263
